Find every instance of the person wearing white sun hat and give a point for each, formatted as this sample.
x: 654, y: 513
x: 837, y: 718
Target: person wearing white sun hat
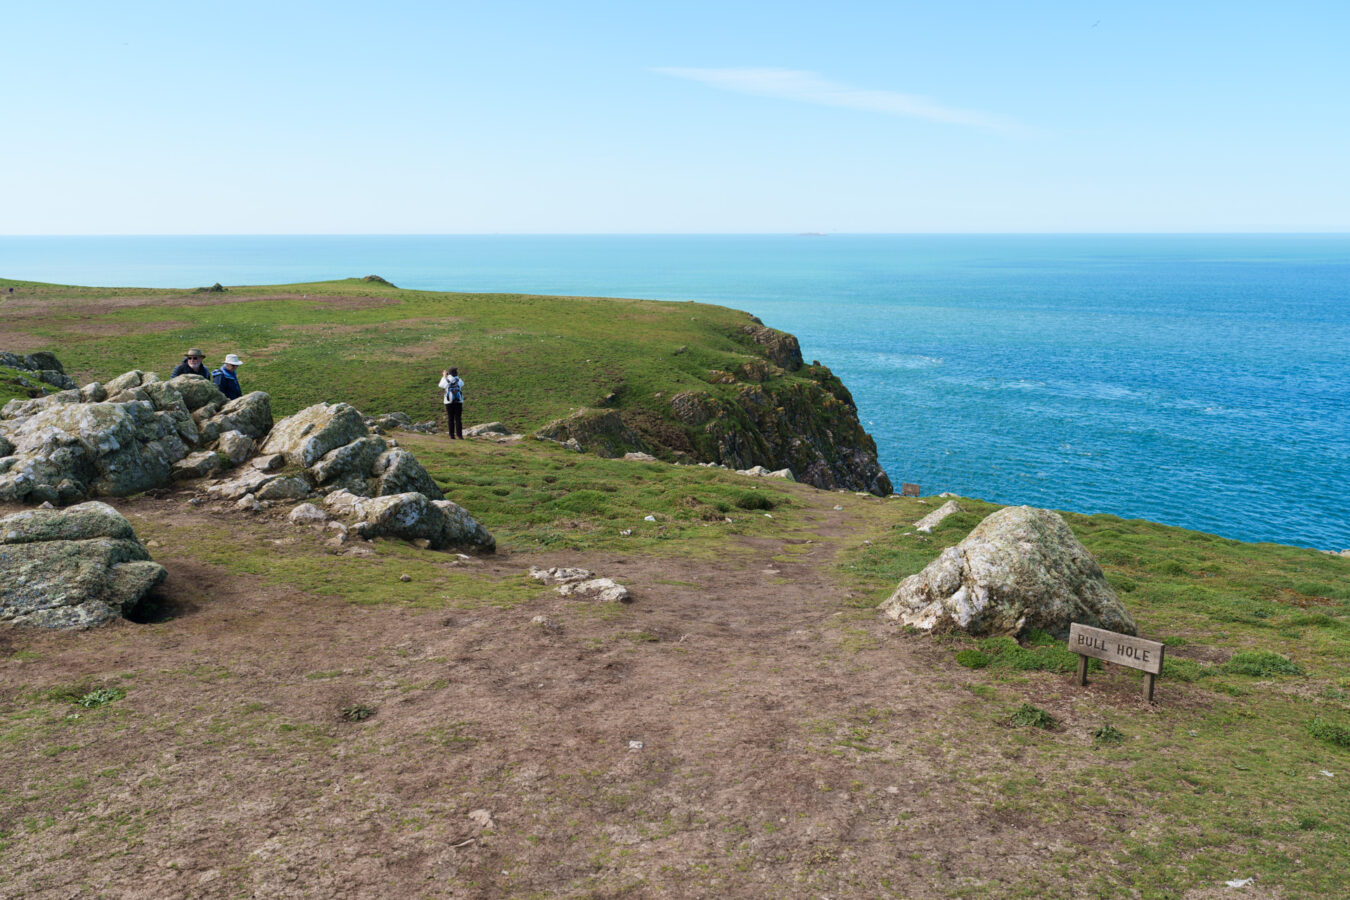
x: 226, y: 379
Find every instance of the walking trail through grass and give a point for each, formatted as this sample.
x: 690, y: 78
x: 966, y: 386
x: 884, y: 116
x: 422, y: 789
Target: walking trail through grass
x: 749, y: 726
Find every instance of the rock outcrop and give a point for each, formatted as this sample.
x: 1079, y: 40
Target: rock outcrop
x: 807, y: 424
x: 37, y: 373
x: 71, y: 568
x: 599, y: 431
x: 127, y: 436
x: 412, y: 516
x: 936, y: 517
x: 767, y: 410
x: 581, y: 584
x: 1021, y: 568
x: 334, y: 450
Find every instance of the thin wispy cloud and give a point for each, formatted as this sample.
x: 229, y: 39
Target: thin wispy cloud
x: 808, y: 87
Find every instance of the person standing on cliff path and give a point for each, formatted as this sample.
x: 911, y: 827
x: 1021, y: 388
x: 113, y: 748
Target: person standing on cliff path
x: 226, y: 379
x: 453, y: 386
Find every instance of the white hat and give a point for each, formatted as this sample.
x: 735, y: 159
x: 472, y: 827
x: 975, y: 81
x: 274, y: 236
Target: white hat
x: 233, y: 360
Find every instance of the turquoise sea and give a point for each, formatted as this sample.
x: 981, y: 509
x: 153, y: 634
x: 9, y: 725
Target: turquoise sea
x: 1202, y: 381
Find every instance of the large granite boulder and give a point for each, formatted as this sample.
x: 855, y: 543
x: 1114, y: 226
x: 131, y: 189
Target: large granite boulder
x: 337, y: 451
x: 315, y: 431
x: 197, y: 391
x: 1021, y: 568
x: 71, y: 568
x: 350, y: 463
x: 110, y: 448
x: 398, y: 471
x: 250, y: 414
x: 412, y: 516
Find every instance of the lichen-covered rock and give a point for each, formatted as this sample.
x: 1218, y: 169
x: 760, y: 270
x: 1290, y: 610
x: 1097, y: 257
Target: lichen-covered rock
x: 411, y: 516
x: 1021, y: 568
x: 307, y: 514
x: 782, y: 348
x: 486, y: 428
x: 315, y: 431
x: 109, y: 448
x: 559, y: 574
x: 125, y: 381
x: 78, y: 523
x: 936, y: 517
x: 606, y: 590
x: 285, y: 488
x: 235, y: 446
x: 197, y: 391
x: 599, y: 431
x: 354, y: 459
x: 164, y: 397
x: 397, y: 471
x: 461, y: 529
x: 248, y: 481
x: 71, y: 568
x: 250, y: 414
x: 19, y: 408
x: 196, y: 465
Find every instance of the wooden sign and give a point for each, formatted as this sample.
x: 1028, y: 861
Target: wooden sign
x: 908, y: 490
x: 1121, y: 649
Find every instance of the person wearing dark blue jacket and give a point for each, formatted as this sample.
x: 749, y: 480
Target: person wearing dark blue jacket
x: 226, y: 379
x: 193, y: 364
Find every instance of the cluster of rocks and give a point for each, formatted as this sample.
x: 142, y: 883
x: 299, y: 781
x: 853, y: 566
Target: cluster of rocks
x: 328, y: 451
x: 38, y: 372
x: 1019, y: 569
x: 581, y: 584
x: 135, y: 433
x: 757, y: 472
x: 398, y: 420
x: 71, y: 568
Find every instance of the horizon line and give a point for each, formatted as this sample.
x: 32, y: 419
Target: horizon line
x: 1311, y: 232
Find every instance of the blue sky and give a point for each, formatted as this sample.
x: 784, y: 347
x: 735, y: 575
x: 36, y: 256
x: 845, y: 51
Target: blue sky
x: 522, y: 117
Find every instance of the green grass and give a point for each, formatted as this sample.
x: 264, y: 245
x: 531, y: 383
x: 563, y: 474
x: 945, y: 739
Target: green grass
x: 1333, y: 733
x: 1028, y: 716
x: 526, y: 359
x: 1261, y: 664
x: 12, y: 388
x: 1229, y: 762
x: 1222, y: 776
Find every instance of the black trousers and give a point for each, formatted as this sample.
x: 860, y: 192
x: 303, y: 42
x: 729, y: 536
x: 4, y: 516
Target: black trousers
x: 454, y: 416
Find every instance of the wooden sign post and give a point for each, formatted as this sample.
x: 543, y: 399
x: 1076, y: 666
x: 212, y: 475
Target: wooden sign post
x: 1108, y: 646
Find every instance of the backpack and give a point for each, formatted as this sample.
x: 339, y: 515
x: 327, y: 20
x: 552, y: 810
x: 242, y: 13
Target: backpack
x: 455, y: 393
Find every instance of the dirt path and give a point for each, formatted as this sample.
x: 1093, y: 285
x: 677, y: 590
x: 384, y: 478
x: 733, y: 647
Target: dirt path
x: 737, y: 731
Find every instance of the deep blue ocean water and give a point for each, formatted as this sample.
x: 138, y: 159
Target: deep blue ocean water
x: 1202, y: 381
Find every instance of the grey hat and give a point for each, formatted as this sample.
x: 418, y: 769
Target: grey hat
x: 233, y: 360
x: 195, y: 351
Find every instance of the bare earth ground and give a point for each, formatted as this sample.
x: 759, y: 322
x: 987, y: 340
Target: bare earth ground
x: 739, y: 730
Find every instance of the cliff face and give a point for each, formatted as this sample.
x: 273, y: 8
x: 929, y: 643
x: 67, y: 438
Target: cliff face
x: 770, y: 410
x: 809, y: 425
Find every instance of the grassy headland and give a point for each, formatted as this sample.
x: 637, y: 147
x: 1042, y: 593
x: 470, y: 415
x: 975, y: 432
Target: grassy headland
x: 792, y: 742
